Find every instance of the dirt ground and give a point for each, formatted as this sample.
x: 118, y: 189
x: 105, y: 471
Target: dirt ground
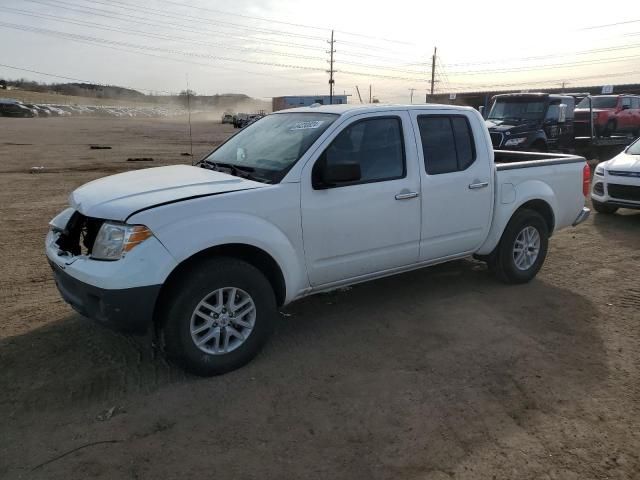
x: 437, y: 374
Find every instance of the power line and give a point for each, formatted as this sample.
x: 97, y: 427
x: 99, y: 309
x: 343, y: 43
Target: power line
x: 607, y: 25
x: 160, y: 49
x: 281, y: 22
x: 154, y: 35
x: 158, y: 23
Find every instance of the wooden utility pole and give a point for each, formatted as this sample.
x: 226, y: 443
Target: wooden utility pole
x: 359, y: 96
x: 433, y: 70
x: 369, y: 93
x: 331, y: 80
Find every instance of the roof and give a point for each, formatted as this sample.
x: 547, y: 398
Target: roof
x: 351, y: 108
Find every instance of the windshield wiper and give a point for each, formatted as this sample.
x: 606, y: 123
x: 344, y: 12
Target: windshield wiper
x: 241, y: 171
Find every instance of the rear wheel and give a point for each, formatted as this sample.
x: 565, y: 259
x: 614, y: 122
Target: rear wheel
x: 603, y: 207
x: 522, y: 248
x: 221, y: 314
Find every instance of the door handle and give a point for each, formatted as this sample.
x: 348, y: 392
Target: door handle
x: 475, y: 186
x: 407, y: 195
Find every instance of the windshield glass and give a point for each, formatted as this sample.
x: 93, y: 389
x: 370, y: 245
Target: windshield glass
x: 599, y: 102
x: 273, y: 144
x: 634, y: 148
x: 517, y: 110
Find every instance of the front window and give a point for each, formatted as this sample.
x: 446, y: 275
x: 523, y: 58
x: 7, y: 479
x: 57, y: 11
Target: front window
x: 269, y: 147
x: 599, y: 102
x: 517, y: 110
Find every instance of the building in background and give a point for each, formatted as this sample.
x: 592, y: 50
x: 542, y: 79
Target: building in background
x: 281, y: 103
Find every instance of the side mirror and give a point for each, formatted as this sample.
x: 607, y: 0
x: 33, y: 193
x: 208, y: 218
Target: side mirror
x: 562, y: 113
x: 341, y: 173
x: 327, y: 176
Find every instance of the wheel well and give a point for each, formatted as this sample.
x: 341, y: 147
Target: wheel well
x: 248, y: 253
x: 544, y: 209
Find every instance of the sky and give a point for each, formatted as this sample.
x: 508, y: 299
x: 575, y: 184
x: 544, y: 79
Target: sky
x: 280, y: 47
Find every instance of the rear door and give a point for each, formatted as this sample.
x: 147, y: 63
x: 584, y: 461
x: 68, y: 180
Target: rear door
x: 354, y: 229
x: 457, y: 184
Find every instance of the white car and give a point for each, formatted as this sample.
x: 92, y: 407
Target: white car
x: 303, y: 201
x: 616, y: 182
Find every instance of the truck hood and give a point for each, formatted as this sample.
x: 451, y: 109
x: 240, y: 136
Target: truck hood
x: 624, y: 163
x: 116, y: 197
x: 500, y: 127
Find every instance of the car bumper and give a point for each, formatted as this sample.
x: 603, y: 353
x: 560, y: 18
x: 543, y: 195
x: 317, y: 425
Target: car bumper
x: 128, y: 310
x: 582, y: 216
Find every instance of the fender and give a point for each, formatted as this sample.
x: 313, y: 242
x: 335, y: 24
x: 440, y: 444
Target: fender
x: 185, y: 235
x: 509, y: 199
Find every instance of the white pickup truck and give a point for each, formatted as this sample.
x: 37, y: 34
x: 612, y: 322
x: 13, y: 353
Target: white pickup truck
x: 303, y: 201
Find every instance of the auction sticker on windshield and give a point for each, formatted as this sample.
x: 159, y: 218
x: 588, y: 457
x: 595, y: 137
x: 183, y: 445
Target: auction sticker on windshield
x: 307, y: 125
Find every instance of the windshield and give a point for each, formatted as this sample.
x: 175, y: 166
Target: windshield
x: 273, y: 144
x: 599, y: 102
x: 634, y: 148
x: 517, y: 110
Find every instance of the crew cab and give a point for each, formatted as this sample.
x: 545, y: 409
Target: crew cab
x: 610, y: 114
x: 616, y: 183
x: 303, y: 201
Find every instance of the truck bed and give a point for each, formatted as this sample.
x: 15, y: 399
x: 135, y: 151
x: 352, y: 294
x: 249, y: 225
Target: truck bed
x: 509, y: 160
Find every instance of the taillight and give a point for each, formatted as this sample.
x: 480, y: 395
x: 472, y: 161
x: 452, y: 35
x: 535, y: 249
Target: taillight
x: 586, y: 179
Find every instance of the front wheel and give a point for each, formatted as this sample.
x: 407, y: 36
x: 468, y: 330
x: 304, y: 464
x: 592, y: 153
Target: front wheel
x: 221, y: 314
x: 522, y: 248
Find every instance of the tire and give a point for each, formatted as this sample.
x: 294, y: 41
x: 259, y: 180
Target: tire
x: 502, y: 261
x: 603, y: 207
x: 179, y: 318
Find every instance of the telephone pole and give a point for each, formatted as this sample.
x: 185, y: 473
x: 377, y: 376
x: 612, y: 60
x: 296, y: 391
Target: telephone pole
x: 433, y: 70
x: 331, y: 71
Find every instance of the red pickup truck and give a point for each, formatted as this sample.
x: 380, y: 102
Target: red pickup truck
x: 611, y: 114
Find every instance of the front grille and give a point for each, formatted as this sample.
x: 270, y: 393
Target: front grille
x: 496, y: 139
x: 79, y: 235
x: 619, y: 173
x: 624, y: 192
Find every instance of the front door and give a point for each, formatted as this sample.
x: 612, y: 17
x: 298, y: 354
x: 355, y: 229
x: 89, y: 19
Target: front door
x: 457, y: 183
x: 358, y: 228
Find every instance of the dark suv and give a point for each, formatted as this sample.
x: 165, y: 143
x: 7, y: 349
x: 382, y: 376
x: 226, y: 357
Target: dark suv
x: 611, y: 114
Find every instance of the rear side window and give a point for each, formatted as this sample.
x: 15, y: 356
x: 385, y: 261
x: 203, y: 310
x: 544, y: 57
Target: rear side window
x: 447, y: 143
x: 635, y: 102
x: 626, y: 102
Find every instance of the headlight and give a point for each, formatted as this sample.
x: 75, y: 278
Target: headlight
x: 512, y: 142
x: 115, y: 239
x: 600, y: 171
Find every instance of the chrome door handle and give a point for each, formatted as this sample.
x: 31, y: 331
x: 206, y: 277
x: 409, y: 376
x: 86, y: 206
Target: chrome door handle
x: 407, y: 195
x: 475, y: 186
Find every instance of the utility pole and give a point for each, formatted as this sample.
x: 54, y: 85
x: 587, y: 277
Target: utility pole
x: 331, y: 71
x: 412, y: 90
x: 433, y: 70
x: 369, y: 93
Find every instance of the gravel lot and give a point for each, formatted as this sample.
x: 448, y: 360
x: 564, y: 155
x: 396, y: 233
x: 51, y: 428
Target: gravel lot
x: 436, y: 374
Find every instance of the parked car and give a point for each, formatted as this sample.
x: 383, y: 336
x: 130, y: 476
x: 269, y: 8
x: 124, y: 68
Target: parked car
x: 227, y: 118
x: 616, y: 183
x: 303, y: 201
x: 611, y: 114
x: 14, y: 108
x: 240, y: 120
